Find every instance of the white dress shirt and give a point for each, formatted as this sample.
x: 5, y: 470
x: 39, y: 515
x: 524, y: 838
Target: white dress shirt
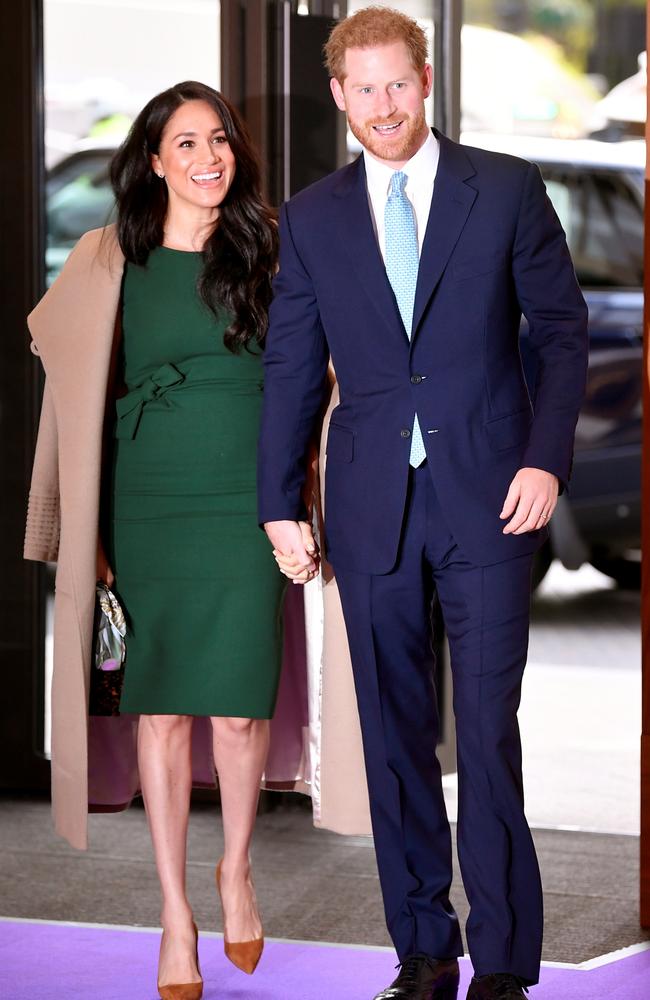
x: 421, y: 173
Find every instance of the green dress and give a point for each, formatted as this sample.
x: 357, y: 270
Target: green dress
x: 195, y: 574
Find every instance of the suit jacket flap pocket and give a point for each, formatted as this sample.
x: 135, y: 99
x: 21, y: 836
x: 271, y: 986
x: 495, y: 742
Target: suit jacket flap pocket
x: 340, y: 443
x: 477, y: 264
x: 509, y: 431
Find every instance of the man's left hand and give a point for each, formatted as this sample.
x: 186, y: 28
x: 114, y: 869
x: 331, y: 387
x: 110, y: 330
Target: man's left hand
x: 530, y: 501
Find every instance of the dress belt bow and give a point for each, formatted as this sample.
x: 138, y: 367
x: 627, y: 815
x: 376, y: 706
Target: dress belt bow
x: 129, y: 408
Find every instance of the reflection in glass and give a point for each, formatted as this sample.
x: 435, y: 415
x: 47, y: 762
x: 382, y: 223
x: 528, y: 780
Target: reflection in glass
x: 78, y: 198
x: 562, y: 83
x: 104, y: 59
x: 542, y: 67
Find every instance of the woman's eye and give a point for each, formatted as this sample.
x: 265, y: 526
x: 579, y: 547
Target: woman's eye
x: 220, y: 138
x: 186, y: 143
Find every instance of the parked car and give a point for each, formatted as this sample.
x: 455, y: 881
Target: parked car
x: 597, y: 191
x: 78, y: 197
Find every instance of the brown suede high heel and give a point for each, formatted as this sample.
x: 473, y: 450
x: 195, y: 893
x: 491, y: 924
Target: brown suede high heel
x: 184, y: 991
x: 244, y: 954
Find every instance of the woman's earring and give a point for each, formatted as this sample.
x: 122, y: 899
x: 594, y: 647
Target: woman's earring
x: 161, y: 175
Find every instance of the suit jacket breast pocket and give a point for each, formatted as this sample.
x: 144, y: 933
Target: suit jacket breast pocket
x: 510, y: 431
x: 476, y: 264
x: 340, y: 444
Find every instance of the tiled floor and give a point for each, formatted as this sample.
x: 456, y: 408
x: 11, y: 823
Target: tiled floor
x: 312, y: 885
x: 580, y: 724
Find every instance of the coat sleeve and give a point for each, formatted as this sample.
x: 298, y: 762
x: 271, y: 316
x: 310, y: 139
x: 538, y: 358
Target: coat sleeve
x: 551, y: 301
x: 43, y: 513
x: 295, y: 380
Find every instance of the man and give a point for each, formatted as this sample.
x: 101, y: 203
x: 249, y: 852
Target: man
x: 412, y: 267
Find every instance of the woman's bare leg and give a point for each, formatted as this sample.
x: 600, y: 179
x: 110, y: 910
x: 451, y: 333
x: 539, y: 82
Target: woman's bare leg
x: 240, y: 751
x: 164, y: 760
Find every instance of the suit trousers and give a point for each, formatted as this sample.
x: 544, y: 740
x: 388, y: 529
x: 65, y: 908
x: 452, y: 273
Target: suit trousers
x: 486, y: 611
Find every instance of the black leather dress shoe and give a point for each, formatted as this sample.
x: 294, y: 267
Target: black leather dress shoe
x: 424, y: 978
x: 499, y: 986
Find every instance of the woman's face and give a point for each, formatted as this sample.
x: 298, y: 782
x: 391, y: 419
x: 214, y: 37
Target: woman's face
x: 195, y: 157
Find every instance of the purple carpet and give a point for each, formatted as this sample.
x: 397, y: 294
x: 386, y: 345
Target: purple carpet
x: 73, y: 962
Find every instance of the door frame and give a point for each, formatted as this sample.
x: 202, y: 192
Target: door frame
x: 644, y: 887
x: 22, y: 584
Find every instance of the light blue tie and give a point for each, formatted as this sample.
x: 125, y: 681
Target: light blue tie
x: 402, y: 260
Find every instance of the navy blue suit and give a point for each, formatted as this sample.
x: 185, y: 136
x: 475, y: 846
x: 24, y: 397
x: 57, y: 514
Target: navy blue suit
x: 493, y: 248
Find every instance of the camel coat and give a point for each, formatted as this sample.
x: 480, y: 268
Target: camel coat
x: 315, y: 743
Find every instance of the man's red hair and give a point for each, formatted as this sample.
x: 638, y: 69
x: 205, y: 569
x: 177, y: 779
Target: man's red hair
x: 370, y: 27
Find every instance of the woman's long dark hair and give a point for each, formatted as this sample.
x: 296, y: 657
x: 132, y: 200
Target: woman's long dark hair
x: 240, y: 256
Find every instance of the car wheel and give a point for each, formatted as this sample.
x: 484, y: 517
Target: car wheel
x: 541, y: 563
x: 626, y: 572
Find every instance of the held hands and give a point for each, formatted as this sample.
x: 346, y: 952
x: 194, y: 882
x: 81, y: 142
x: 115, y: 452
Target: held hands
x: 530, y: 501
x: 294, y: 548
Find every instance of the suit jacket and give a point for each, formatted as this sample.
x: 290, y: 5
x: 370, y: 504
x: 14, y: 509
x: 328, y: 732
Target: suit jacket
x: 493, y: 249
x: 94, y: 761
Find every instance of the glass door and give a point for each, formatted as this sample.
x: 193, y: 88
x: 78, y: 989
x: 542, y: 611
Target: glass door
x: 103, y: 60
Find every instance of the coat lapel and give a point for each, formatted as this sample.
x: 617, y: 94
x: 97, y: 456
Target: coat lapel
x: 73, y: 325
x: 361, y: 245
x: 450, y: 206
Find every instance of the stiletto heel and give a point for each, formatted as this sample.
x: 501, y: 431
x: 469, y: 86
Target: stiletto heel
x: 244, y: 954
x: 184, y: 991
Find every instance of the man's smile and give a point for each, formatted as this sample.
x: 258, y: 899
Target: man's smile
x: 389, y: 129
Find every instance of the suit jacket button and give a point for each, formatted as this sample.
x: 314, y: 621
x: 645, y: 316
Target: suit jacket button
x: 416, y: 379
x: 405, y: 433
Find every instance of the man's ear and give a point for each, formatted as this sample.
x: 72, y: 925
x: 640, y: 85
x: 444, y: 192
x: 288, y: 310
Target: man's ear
x: 427, y: 80
x: 337, y: 93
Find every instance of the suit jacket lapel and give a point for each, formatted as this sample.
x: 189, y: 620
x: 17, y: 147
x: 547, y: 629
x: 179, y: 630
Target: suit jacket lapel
x: 450, y: 206
x: 361, y: 245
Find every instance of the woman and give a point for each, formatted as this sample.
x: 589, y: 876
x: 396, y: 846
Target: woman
x: 194, y: 250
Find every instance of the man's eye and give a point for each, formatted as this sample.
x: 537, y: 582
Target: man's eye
x: 366, y: 90
x: 399, y: 86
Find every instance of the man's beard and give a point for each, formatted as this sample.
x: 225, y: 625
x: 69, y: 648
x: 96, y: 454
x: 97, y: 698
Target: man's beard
x: 402, y: 147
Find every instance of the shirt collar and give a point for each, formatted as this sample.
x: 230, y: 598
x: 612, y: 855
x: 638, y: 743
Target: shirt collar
x: 420, y: 169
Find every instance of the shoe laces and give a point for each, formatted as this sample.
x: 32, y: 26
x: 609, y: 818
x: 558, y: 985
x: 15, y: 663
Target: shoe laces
x: 508, y: 987
x: 410, y: 969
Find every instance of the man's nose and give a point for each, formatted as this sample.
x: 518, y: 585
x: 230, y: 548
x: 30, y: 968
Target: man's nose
x: 385, y: 104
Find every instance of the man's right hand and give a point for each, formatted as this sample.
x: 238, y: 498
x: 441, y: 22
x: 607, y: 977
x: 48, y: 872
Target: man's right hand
x: 294, y: 548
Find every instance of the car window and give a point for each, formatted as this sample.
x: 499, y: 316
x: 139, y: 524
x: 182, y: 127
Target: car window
x: 79, y: 200
x: 603, y: 219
